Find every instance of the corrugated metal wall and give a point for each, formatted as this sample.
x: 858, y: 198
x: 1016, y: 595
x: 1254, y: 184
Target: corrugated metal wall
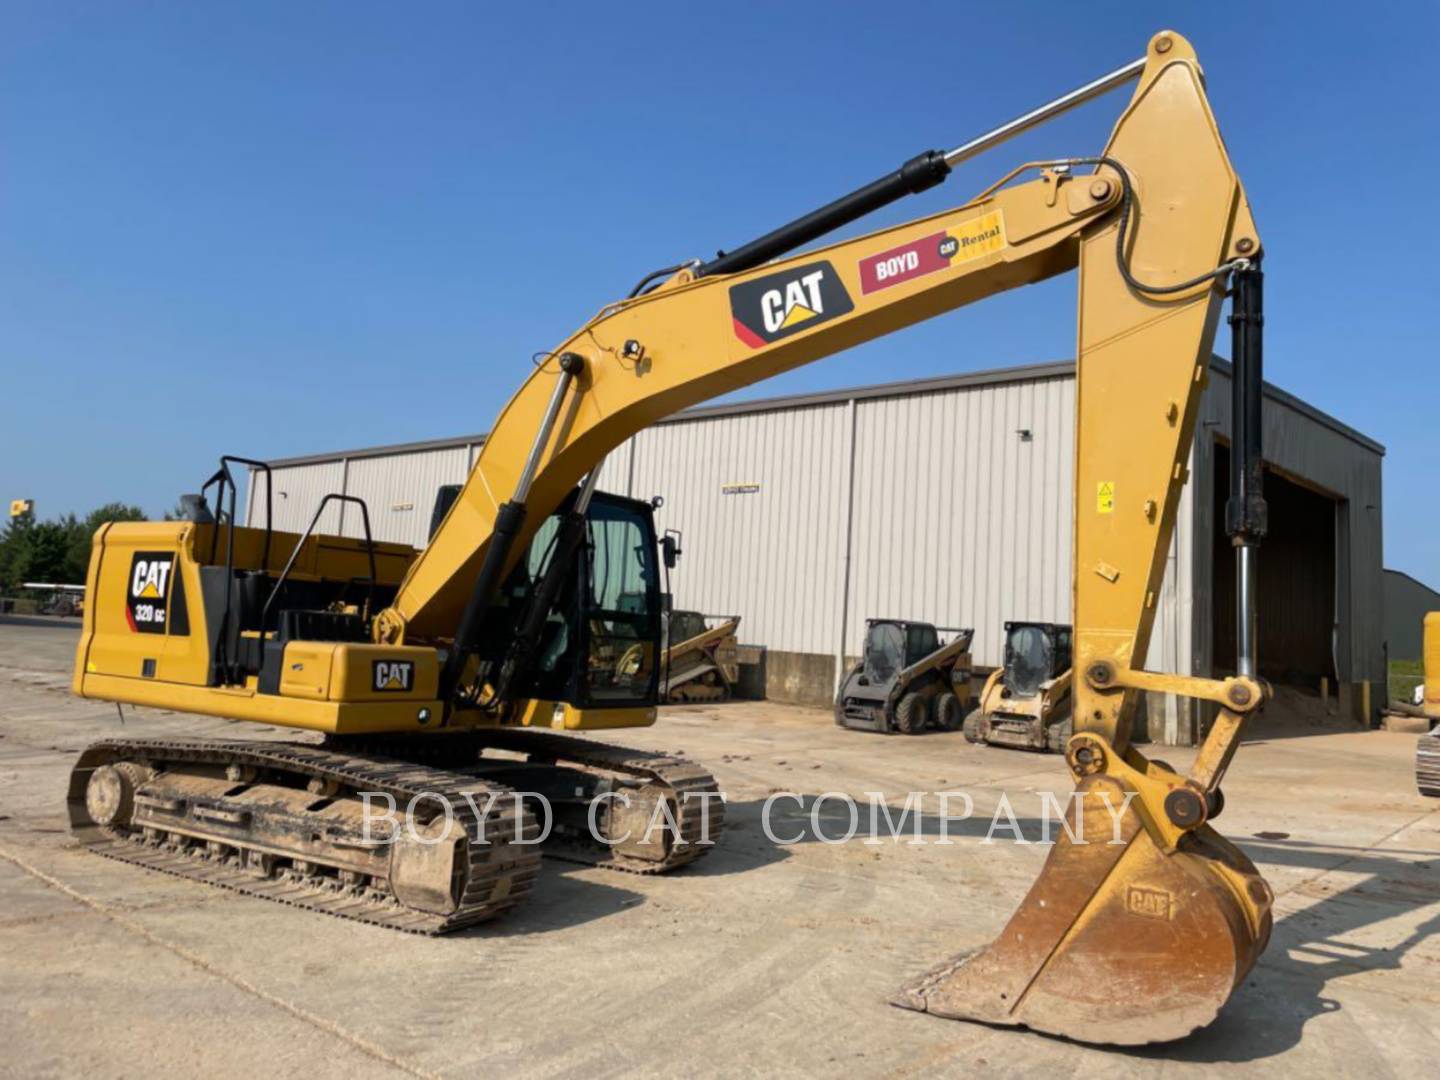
x: 959, y: 514
x: 772, y: 554
x: 950, y: 504
x: 400, y: 492
x: 297, y: 493
x: 398, y: 489
x: 949, y: 514
x: 962, y: 509
x: 1407, y: 602
x: 1317, y: 455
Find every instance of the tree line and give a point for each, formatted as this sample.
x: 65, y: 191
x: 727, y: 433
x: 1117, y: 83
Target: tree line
x: 55, y: 552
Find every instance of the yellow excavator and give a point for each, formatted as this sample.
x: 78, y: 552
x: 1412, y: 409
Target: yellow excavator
x: 461, y: 670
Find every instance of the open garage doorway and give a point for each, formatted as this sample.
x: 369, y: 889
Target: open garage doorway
x: 1297, y: 587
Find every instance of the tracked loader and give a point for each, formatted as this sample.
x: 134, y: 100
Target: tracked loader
x: 701, y: 661
x: 478, y: 666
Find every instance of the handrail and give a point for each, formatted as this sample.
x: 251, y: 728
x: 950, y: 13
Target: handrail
x: 295, y: 553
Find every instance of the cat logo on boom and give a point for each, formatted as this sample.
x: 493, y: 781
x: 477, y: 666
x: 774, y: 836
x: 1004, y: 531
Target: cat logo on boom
x: 146, y: 602
x: 775, y: 306
x: 396, y: 675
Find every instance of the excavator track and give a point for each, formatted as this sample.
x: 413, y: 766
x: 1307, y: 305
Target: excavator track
x: 1427, y: 764
x: 179, y: 825
x: 692, y: 786
x: 691, y: 790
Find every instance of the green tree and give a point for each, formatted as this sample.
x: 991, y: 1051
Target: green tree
x: 56, y: 552
x: 50, y: 545
x: 15, y: 544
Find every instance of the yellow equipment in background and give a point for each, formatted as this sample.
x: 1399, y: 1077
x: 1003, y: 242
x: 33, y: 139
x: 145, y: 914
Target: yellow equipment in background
x: 1427, y: 750
x: 701, y: 662
x: 1026, y: 701
x: 433, y: 671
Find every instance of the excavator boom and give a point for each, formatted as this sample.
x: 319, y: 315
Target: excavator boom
x: 1131, y: 941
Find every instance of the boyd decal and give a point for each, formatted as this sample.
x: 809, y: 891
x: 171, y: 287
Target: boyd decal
x: 934, y: 252
x: 773, y: 307
x: 147, y: 599
x: 396, y: 675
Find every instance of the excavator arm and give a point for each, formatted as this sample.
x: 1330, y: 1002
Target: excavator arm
x: 1130, y: 935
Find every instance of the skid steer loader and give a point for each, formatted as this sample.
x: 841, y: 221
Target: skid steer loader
x: 907, y: 679
x: 1026, y: 701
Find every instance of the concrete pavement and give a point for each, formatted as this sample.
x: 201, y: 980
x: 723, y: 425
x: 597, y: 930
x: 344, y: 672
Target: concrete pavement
x: 760, y: 959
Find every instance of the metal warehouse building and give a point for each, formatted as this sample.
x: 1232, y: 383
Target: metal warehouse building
x: 947, y: 500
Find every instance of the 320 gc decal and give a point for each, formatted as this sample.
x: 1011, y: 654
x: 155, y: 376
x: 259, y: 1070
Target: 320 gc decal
x: 147, y: 599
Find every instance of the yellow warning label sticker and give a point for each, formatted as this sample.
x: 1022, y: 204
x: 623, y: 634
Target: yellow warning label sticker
x: 1105, y: 497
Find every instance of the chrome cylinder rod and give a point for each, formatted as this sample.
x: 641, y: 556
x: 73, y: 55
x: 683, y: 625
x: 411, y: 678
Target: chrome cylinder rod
x: 920, y: 173
x: 1091, y: 90
x: 570, y: 366
x: 1247, y: 572
x: 587, y: 488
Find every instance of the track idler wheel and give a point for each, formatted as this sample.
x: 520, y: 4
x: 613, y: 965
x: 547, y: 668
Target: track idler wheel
x: 110, y: 792
x: 1116, y: 943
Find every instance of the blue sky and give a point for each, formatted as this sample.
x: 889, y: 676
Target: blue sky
x: 280, y: 228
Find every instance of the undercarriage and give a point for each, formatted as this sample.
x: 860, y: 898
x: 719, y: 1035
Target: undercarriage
x: 424, y: 833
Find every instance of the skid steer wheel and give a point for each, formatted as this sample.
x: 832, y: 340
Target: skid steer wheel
x: 1057, y: 736
x: 972, y: 726
x: 947, y: 712
x: 910, y: 714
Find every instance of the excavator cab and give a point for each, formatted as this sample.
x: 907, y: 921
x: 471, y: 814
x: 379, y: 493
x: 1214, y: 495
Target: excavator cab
x: 601, y: 636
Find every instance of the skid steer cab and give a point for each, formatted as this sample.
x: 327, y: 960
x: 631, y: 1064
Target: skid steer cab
x: 1026, y: 703
x: 911, y: 676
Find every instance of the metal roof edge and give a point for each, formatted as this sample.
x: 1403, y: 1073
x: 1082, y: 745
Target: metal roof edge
x: 1020, y: 373
x: 903, y: 388
x: 935, y: 384
x: 1324, y: 419
x: 1410, y: 578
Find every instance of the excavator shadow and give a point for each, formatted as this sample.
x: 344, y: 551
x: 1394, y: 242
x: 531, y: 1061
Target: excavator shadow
x: 563, y: 898
x: 1336, y: 936
x: 746, y: 845
x: 1313, y: 946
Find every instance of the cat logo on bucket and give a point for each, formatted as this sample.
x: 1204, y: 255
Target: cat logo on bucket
x: 397, y: 675
x: 147, y: 599
x: 1151, y: 903
x: 773, y: 307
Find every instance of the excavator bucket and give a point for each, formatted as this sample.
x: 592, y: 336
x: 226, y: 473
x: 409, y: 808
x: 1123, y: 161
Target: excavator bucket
x: 1119, y: 941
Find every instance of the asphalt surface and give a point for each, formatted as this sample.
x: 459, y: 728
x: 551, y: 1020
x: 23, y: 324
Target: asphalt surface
x: 760, y: 959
